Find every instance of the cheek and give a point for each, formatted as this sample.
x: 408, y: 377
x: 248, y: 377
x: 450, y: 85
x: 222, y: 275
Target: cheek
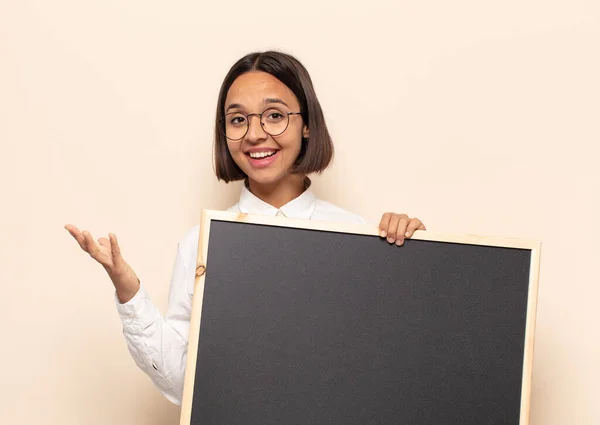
x: 234, y: 148
x: 292, y: 140
x: 235, y: 151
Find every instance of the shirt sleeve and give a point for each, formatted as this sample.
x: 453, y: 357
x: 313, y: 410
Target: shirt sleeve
x: 158, y: 344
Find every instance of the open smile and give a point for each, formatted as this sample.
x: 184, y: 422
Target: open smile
x: 263, y: 158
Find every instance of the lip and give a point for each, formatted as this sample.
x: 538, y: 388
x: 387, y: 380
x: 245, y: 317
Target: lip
x: 259, y: 163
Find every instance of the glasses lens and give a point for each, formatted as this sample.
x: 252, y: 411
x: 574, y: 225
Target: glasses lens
x: 236, y: 125
x: 274, y: 121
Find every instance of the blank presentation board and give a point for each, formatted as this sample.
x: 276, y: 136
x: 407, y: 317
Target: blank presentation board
x: 304, y: 322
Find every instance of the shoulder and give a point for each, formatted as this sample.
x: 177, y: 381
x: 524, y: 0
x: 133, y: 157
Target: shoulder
x: 188, y: 242
x: 191, y: 236
x: 326, y: 211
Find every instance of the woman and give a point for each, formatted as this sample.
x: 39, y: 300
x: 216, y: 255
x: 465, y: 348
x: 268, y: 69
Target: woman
x: 271, y: 133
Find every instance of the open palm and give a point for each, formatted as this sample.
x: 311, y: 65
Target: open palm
x: 108, y: 254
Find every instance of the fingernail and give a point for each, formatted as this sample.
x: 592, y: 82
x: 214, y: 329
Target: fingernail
x: 383, y: 233
x: 398, y: 242
x: 407, y: 234
x: 390, y: 240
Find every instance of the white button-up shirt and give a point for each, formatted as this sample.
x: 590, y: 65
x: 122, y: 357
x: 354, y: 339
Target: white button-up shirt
x: 159, y: 344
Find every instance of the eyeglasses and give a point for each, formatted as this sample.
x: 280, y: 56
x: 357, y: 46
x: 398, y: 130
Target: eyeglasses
x: 273, y: 122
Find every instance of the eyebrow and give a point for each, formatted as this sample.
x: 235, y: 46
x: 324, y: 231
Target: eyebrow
x: 275, y: 100
x: 266, y: 101
x: 234, y: 105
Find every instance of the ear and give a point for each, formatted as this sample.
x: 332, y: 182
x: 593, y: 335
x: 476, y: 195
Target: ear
x: 305, y: 132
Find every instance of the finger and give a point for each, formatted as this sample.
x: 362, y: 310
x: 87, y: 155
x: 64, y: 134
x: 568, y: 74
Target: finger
x: 392, y: 228
x: 74, y: 231
x: 115, y: 250
x: 401, y: 230
x: 384, y: 224
x: 104, y: 242
x: 414, y: 224
x: 85, y: 242
x: 91, y: 246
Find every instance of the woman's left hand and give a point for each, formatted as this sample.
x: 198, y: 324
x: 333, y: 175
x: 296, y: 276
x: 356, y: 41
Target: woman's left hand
x: 397, y: 227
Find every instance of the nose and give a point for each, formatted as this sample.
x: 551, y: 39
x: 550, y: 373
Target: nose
x: 255, y: 131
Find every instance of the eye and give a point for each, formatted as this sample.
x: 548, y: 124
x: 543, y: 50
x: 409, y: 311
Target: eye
x: 235, y: 119
x: 273, y: 115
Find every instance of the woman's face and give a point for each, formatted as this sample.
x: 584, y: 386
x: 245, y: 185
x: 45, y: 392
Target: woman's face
x: 264, y: 158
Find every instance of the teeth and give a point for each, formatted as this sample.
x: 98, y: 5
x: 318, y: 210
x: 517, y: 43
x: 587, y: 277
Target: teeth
x: 257, y: 155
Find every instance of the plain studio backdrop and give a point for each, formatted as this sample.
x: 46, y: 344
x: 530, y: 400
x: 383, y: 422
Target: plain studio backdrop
x: 477, y: 117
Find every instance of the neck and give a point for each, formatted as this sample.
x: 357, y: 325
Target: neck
x: 281, y: 192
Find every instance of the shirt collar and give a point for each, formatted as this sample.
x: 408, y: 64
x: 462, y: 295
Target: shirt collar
x: 301, y: 207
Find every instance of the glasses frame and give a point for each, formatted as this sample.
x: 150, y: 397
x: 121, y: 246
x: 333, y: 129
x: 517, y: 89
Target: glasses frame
x: 247, y: 116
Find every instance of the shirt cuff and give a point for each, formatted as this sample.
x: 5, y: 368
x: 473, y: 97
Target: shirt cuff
x: 138, y: 313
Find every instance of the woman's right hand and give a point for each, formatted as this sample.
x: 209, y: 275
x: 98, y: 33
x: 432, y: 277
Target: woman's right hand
x: 108, y: 254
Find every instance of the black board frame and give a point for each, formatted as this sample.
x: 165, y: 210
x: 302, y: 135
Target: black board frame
x: 205, y: 225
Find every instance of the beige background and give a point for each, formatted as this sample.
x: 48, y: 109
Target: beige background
x: 478, y: 117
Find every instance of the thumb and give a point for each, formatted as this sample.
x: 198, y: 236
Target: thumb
x: 115, y: 250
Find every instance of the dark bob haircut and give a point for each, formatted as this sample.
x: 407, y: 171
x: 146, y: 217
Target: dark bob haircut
x: 316, y: 152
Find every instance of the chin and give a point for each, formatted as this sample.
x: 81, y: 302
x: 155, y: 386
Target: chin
x: 264, y: 177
